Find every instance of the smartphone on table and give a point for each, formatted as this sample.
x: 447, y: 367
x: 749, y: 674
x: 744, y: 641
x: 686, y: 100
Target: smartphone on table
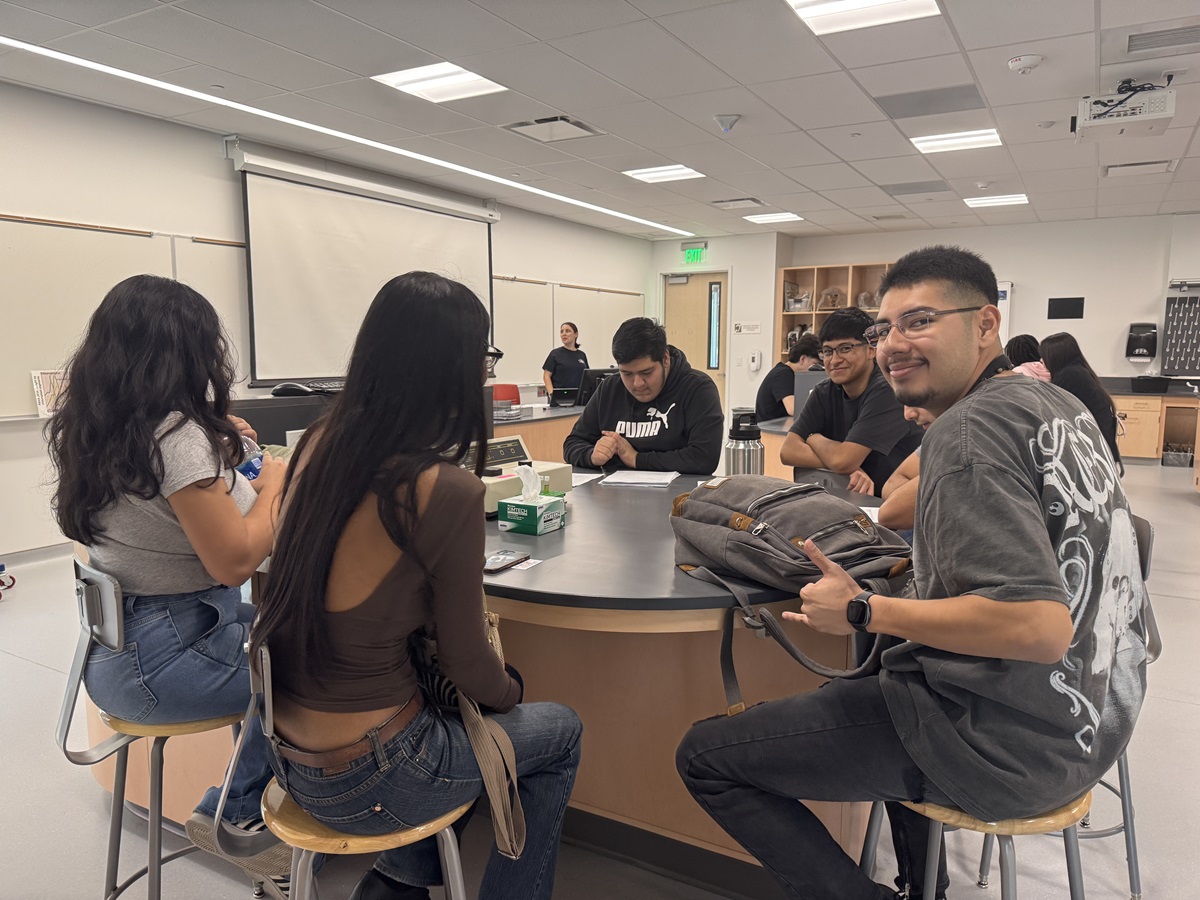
x: 503, y: 559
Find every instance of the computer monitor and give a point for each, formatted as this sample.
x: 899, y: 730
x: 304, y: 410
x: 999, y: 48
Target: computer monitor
x: 805, y: 382
x: 563, y: 396
x: 591, y: 380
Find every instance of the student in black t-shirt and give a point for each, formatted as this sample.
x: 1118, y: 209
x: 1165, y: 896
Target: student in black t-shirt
x: 564, y: 366
x: 776, y: 395
x: 852, y: 424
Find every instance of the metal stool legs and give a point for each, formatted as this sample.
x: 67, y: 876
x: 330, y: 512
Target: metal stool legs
x: 985, y: 860
x: 866, y: 860
x: 1131, y: 854
x: 115, y: 822
x: 452, y: 874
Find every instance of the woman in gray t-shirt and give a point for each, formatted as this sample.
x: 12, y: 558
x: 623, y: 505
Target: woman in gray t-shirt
x: 145, y: 456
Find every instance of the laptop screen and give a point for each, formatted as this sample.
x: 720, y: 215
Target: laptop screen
x: 805, y: 382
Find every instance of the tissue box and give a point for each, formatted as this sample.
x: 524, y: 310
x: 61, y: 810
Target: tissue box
x: 536, y: 516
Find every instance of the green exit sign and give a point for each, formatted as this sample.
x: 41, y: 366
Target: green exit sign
x: 694, y: 255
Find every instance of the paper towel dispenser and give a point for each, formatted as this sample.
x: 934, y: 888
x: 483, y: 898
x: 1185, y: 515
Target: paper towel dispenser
x: 1142, y: 343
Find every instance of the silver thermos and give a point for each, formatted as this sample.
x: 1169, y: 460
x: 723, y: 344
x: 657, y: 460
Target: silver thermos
x: 744, y: 449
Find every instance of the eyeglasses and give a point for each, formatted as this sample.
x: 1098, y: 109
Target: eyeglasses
x: 843, y: 350
x: 910, y: 323
x: 491, y: 356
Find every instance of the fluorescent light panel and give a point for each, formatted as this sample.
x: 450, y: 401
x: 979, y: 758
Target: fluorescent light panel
x: 1001, y: 200
x: 439, y: 83
x: 771, y: 218
x: 831, y: 16
x: 321, y: 129
x: 961, y: 140
x: 663, y: 173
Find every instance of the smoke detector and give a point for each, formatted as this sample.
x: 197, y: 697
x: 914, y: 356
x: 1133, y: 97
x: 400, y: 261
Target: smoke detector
x: 1025, y: 63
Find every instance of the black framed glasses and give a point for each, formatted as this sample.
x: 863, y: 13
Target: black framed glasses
x: 842, y: 350
x: 910, y: 323
x: 491, y: 356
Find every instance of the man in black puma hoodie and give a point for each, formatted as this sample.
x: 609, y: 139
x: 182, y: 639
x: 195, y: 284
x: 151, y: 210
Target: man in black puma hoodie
x: 660, y: 415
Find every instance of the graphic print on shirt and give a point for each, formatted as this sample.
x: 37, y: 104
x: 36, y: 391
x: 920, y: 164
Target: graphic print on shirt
x: 646, y: 429
x: 1103, y: 583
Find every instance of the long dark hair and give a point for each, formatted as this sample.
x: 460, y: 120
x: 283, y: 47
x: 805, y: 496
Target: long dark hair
x: 1061, y: 350
x: 153, y: 347
x: 413, y: 397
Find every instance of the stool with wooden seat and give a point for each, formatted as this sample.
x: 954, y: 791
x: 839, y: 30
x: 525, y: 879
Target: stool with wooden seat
x: 305, y: 835
x: 1064, y: 819
x: 102, y: 621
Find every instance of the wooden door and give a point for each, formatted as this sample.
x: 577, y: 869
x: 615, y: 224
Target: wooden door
x: 692, y: 312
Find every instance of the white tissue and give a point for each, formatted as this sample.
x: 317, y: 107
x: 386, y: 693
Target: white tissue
x: 531, y: 484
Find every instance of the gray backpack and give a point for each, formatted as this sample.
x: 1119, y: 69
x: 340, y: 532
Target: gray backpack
x: 754, y: 527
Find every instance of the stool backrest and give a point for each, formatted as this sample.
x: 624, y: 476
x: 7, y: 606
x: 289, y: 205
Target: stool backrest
x: 101, y: 620
x: 506, y: 392
x: 1145, y: 542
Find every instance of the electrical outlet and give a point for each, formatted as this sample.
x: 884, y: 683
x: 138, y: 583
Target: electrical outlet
x: 737, y: 361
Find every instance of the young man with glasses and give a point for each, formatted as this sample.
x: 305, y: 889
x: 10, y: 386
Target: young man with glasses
x: 852, y: 424
x: 1021, y: 666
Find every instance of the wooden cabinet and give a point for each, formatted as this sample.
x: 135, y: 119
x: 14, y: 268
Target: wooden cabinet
x: 799, y: 292
x: 1140, y: 414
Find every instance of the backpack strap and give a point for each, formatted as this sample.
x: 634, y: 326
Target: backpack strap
x: 763, y: 623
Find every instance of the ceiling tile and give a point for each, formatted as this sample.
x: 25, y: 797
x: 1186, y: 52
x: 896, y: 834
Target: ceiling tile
x: 552, y: 20
x: 384, y: 161
x: 117, y: 52
x: 377, y: 101
x: 502, y: 108
x: 756, y: 116
x: 782, y: 150
x: 1017, y: 216
x: 854, y: 197
x: 1117, y: 194
x: 706, y: 190
x: 947, y: 123
x: 636, y: 158
x: 802, y: 202
x: 646, y: 58
x: 579, y: 171
x: 1184, y: 190
x: 1065, y: 215
x: 1170, y: 145
x: 316, y: 31
x: 963, y: 221
x: 1188, y: 170
x: 914, y: 75
x: 1127, y: 209
x: 221, y: 84
x: 752, y: 40
x: 896, y: 169
x: 819, y: 101
x: 446, y: 28
x: 857, y: 228
x: 1122, y: 12
x: 609, y: 148
x: 255, y: 128
x: 28, y: 25
x: 968, y: 163
x: 505, y: 145
x: 933, y: 102
x: 826, y: 177
x: 1059, y: 180
x: 916, y: 194
x: 1060, y: 154
x: 714, y: 158
x: 990, y: 24
x: 308, y: 110
x: 914, y: 39
x: 1018, y: 124
x: 209, y: 43
x: 940, y: 208
x: 833, y: 217
x: 93, y: 12
x: 573, y: 87
x: 1069, y: 70
x: 902, y: 225
x: 889, y: 209
x: 645, y: 124
x: 767, y: 181
x: 873, y: 140
x: 1180, y: 206
x: 633, y: 191
x: 1063, y: 199
x: 998, y: 186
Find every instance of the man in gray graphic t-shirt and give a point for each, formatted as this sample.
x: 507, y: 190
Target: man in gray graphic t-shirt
x: 1021, y: 667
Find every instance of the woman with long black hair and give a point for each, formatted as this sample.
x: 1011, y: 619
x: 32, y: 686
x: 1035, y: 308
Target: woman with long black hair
x: 1070, y: 371
x: 382, y: 535
x: 146, y: 457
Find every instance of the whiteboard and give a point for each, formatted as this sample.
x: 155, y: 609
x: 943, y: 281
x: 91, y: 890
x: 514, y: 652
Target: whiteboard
x: 218, y: 272
x: 51, y: 281
x: 524, y: 328
x: 598, y: 314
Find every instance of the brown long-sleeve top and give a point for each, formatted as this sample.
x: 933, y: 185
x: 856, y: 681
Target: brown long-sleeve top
x: 369, y: 667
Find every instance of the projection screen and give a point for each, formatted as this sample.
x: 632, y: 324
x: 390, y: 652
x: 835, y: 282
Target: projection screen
x: 317, y: 257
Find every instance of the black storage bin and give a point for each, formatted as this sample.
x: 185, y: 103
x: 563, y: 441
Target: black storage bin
x: 1150, y: 384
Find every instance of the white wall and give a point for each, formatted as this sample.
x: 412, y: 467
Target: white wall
x: 1118, y: 265
x: 1185, y: 247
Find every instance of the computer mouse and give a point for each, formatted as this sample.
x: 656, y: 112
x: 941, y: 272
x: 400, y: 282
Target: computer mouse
x: 291, y: 389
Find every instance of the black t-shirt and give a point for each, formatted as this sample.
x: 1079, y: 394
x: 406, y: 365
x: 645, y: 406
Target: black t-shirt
x: 565, y: 367
x: 780, y: 382
x: 875, y: 419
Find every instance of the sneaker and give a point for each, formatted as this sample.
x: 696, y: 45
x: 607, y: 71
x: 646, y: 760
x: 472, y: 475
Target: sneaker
x: 377, y: 886
x: 274, y: 864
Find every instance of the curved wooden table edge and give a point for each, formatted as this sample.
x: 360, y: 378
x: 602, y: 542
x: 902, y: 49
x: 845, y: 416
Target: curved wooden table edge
x: 628, y: 621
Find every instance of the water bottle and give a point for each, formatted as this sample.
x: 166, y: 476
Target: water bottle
x: 744, y: 449
x: 252, y: 464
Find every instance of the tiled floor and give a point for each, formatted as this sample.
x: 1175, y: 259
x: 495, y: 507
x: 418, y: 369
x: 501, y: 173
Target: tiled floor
x: 54, y: 819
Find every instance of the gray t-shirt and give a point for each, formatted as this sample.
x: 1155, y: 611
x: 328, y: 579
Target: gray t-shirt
x: 1019, y: 500
x: 142, y: 544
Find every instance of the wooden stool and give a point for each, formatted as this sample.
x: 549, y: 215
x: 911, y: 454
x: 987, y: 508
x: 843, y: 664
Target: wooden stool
x: 1064, y: 819
x: 307, y: 837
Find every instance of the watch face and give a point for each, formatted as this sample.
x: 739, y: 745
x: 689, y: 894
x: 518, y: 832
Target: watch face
x: 858, y: 611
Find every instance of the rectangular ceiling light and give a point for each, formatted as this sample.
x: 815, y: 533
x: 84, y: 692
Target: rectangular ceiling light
x: 439, y: 83
x: 771, y: 218
x: 831, y: 16
x: 961, y: 140
x: 663, y: 173
x: 1002, y: 200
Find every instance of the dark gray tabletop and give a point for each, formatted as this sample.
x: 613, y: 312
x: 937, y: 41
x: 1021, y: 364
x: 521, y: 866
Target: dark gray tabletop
x: 616, y: 551
x: 776, y: 426
x: 540, y: 412
x: 1176, y: 387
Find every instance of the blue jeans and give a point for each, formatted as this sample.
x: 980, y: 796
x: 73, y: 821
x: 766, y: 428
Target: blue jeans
x: 429, y: 769
x: 184, y: 659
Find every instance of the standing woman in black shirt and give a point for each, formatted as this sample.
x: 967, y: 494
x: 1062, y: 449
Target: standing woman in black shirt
x: 1071, y: 372
x: 564, y: 366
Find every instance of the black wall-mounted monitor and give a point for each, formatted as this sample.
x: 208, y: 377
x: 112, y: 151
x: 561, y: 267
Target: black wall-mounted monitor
x: 591, y: 380
x: 1064, y: 308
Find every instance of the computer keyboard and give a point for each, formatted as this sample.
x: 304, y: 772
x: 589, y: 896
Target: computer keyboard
x: 328, y: 386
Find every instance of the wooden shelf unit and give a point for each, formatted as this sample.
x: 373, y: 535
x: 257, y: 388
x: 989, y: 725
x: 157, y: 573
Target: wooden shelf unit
x: 851, y: 280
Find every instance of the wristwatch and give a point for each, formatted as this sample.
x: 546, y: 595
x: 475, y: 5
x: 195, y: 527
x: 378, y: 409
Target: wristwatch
x: 858, y: 611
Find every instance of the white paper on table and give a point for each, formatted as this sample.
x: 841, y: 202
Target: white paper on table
x: 872, y: 513
x: 528, y: 564
x: 578, y: 478
x: 632, y: 477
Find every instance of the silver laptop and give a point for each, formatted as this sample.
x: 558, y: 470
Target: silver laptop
x: 805, y: 382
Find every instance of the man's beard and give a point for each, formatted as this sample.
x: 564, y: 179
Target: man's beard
x: 915, y: 396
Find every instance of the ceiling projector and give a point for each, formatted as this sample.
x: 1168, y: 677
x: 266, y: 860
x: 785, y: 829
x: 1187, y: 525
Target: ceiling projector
x: 1136, y: 113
